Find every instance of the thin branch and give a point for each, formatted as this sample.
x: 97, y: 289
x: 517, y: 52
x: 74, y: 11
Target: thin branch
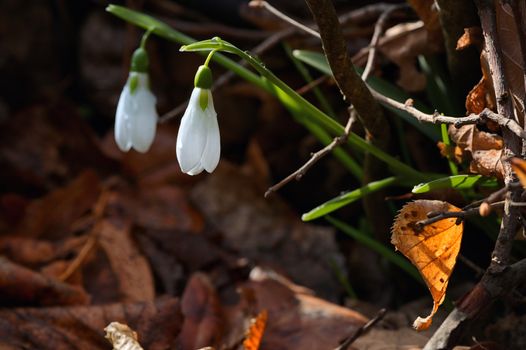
x: 364, y: 14
x: 378, y: 30
x: 486, y: 114
x: 315, y: 157
x: 352, y: 87
x: 460, y: 215
x: 283, y: 17
x: 362, y: 330
x: 304, y: 89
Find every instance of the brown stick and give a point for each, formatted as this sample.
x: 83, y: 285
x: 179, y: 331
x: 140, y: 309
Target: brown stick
x: 362, y: 330
x: 315, y: 157
x: 351, y: 85
x: 435, y: 118
x: 378, y: 30
x: 283, y: 17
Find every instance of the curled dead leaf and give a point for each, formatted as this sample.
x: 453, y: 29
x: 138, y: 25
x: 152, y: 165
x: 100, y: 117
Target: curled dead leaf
x: 471, y: 36
x: 483, y: 149
x: 433, y: 249
x: 122, y: 337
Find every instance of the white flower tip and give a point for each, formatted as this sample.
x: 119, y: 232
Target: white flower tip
x: 198, y: 141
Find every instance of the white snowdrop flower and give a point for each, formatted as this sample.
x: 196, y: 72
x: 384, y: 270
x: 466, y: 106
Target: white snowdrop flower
x: 198, y: 144
x: 136, y: 117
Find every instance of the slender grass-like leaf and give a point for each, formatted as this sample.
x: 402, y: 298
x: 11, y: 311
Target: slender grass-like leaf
x: 347, y: 198
x: 459, y: 182
x: 319, y: 62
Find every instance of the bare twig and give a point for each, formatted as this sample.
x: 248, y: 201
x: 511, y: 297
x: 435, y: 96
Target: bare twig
x: 303, y: 90
x: 364, y: 14
x: 362, y: 330
x: 79, y: 259
x: 378, y: 30
x: 283, y: 17
x: 460, y: 215
x: 315, y: 157
x: 98, y: 212
x: 351, y: 85
x: 225, y: 78
x: 486, y: 114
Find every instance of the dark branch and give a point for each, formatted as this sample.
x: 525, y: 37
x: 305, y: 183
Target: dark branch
x: 351, y: 85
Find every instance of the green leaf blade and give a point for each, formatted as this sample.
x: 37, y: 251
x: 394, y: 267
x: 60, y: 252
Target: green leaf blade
x: 347, y: 198
x: 459, y: 182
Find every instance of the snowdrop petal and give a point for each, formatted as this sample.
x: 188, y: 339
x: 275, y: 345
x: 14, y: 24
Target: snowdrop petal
x: 122, y: 123
x: 143, y: 131
x: 198, y: 169
x: 198, y: 141
x: 136, y: 117
x: 191, y: 139
x: 212, y: 150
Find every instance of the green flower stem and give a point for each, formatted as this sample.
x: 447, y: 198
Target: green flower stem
x: 210, y: 55
x: 145, y: 37
x: 268, y: 82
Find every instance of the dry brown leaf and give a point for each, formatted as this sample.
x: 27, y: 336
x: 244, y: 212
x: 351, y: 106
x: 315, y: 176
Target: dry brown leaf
x: 476, y: 98
x: 402, y: 44
x: 483, y: 149
x: 202, y: 314
x: 433, y: 250
x: 265, y: 230
x: 427, y: 10
x: 488, y: 163
x: 131, y: 269
x: 80, y: 327
x: 408, y: 40
x: 519, y: 167
x: 44, y: 146
x: 122, y: 337
x: 53, y: 215
x: 390, y: 339
x: 471, y: 36
x: 22, y: 286
x: 255, y: 331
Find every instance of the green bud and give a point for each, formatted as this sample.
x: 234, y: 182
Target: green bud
x: 203, y: 78
x: 139, y: 61
x: 203, y: 99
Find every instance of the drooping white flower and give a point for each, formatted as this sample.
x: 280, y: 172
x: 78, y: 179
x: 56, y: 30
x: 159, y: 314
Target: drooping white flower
x: 198, y: 141
x: 136, y: 117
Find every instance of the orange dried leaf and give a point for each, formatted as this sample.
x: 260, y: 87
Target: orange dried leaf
x: 255, y: 331
x: 476, y: 99
x: 433, y: 250
x: 519, y: 167
x: 471, y: 36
